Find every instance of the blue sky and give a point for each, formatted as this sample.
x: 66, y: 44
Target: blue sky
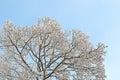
x: 100, y: 19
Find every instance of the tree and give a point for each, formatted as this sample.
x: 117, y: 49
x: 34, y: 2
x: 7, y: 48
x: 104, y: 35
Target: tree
x: 45, y: 52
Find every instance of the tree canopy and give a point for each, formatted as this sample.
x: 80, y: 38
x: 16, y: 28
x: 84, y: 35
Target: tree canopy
x: 45, y: 52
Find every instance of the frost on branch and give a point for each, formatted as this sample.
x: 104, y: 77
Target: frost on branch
x: 44, y: 51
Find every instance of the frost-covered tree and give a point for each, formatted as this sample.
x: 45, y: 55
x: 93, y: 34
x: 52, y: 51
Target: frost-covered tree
x: 46, y: 52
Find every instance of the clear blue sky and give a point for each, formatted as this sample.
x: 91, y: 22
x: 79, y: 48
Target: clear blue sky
x: 100, y: 19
